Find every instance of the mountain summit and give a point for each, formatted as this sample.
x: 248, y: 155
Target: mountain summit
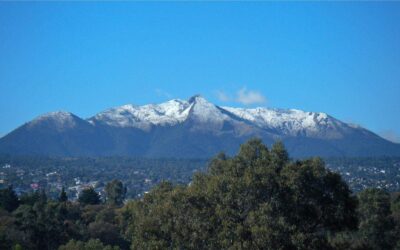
x: 192, y: 128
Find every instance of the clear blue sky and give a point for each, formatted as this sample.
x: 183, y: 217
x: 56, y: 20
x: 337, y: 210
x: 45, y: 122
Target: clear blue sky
x: 339, y: 58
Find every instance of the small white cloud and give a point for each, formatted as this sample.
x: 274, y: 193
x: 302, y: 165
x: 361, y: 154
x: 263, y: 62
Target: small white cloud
x: 222, y: 96
x: 248, y: 97
x: 163, y: 93
x: 390, y: 135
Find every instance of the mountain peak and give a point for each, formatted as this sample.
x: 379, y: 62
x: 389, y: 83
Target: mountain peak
x: 58, y: 119
x: 143, y: 117
x: 196, y: 127
x: 197, y: 98
x: 58, y: 115
x: 204, y: 111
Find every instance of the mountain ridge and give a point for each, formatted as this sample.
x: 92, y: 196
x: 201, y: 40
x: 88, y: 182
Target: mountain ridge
x: 193, y: 128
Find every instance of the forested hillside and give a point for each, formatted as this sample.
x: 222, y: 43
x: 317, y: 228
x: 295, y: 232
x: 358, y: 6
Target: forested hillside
x: 258, y: 199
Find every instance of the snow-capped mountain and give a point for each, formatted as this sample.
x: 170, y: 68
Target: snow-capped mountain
x: 192, y: 128
x: 143, y: 117
x: 293, y: 122
x: 286, y: 122
x: 165, y: 114
x: 59, y: 120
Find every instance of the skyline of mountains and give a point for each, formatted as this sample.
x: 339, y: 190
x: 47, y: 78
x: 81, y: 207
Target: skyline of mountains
x: 194, y: 128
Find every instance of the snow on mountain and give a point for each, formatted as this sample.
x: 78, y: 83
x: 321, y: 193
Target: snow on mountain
x: 290, y: 122
x: 58, y: 119
x: 204, y: 111
x: 168, y: 113
x: 165, y: 114
x: 193, y: 128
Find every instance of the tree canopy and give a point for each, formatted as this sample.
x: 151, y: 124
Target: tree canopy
x: 8, y: 199
x: 88, y: 196
x: 258, y: 199
x: 115, y: 192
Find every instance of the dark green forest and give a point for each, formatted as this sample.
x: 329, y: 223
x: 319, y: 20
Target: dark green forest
x: 258, y: 199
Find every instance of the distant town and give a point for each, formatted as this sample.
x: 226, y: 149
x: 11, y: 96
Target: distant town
x: 30, y: 174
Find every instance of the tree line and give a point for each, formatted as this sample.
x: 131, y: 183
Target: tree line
x: 258, y: 199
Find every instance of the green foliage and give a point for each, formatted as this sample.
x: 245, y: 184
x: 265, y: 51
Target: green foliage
x: 6, y: 222
x: 63, y: 196
x: 8, y: 199
x: 258, y: 199
x: 29, y: 198
x: 376, y: 223
x: 318, y: 197
x: 89, y: 197
x: 279, y: 155
x: 395, y: 207
x: 348, y: 240
x: 255, y: 200
x: 41, y: 226
x: 115, y: 192
x: 17, y: 247
x: 92, y: 244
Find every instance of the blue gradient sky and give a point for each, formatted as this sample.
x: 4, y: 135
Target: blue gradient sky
x: 339, y: 58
